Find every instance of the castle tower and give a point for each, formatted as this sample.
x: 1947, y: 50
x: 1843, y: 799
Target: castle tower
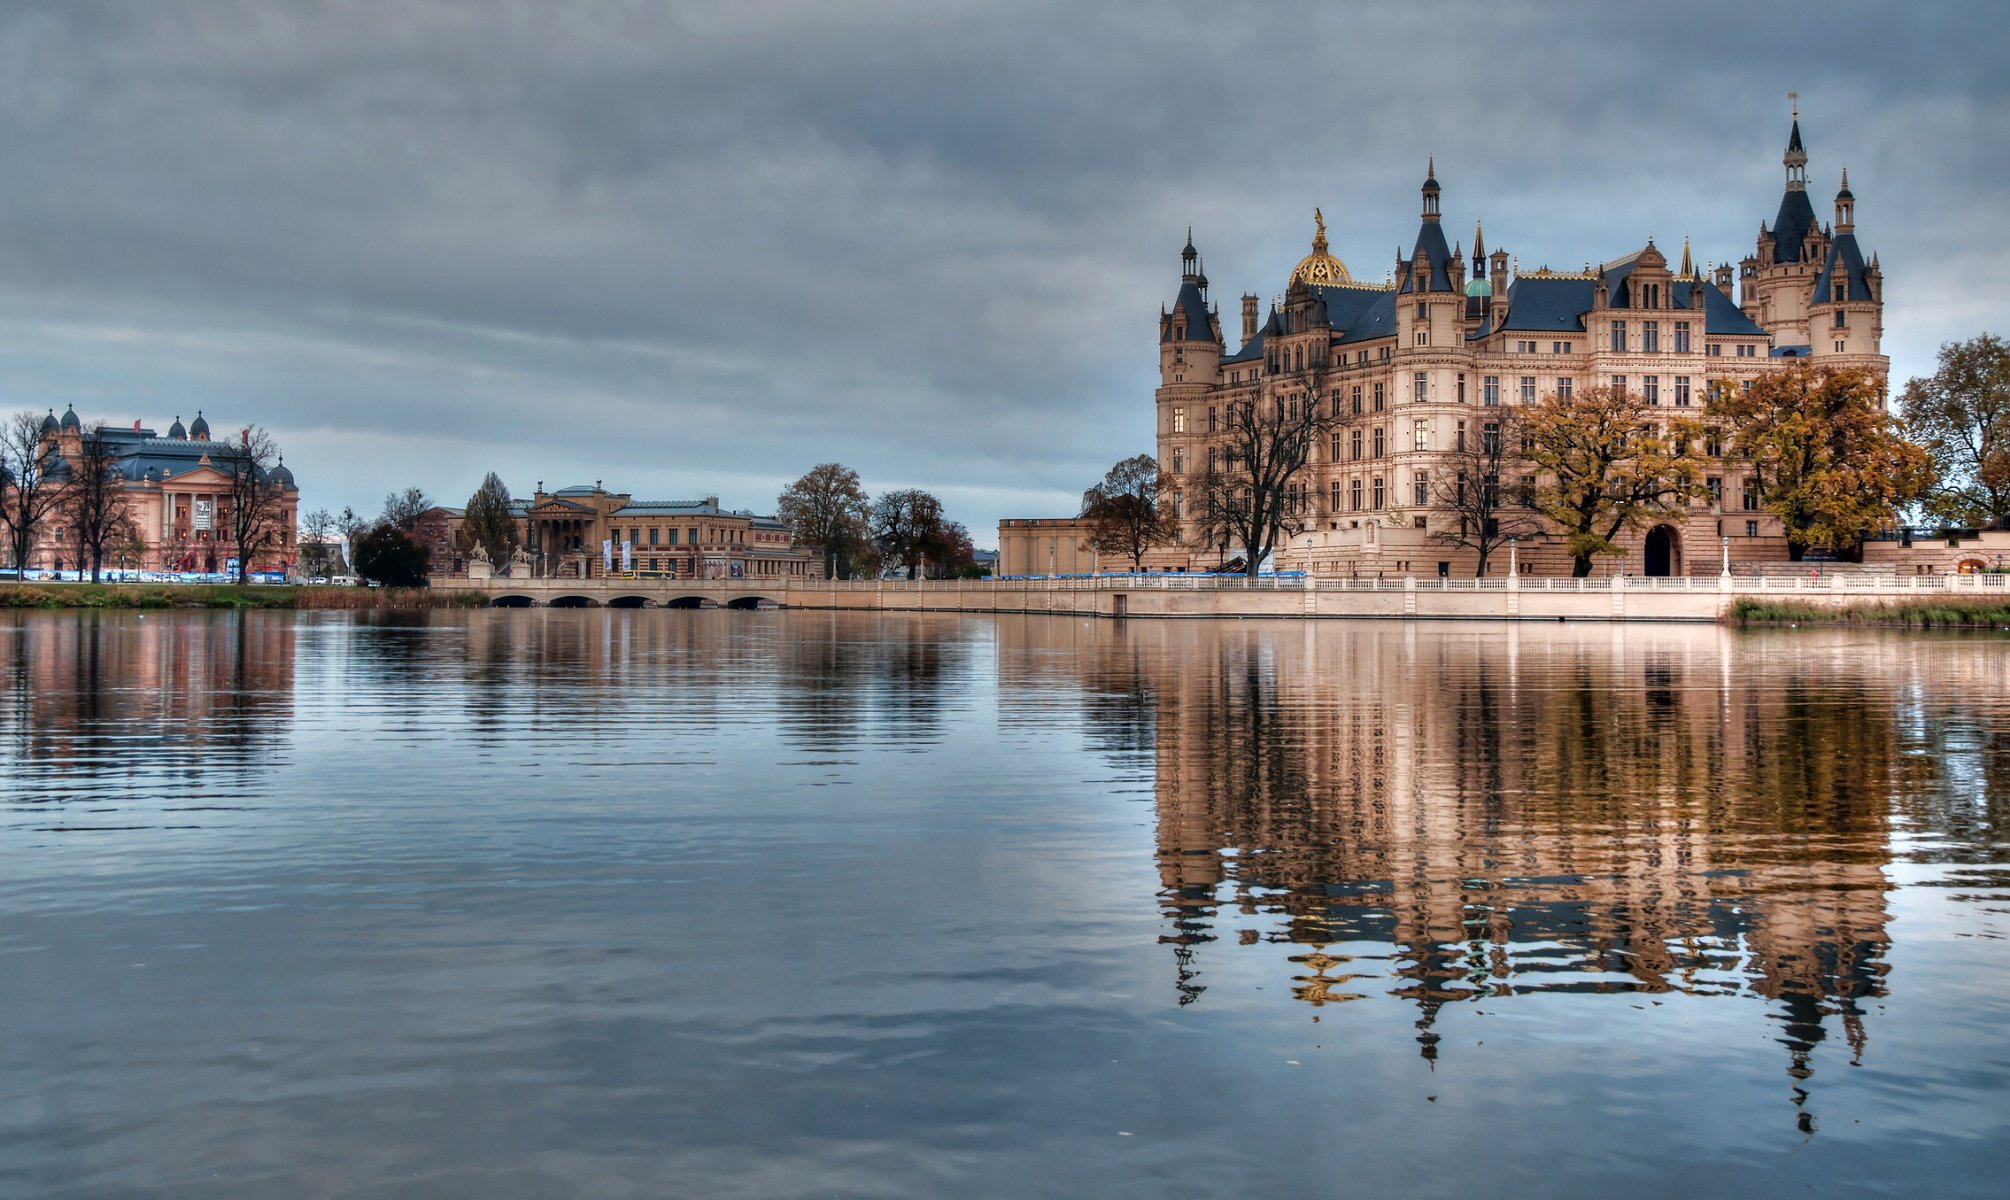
x: 1846, y: 299
x: 1779, y: 275
x: 1431, y: 301
x: 1189, y: 364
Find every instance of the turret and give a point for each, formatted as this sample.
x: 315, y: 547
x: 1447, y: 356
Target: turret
x: 1845, y: 207
x: 1189, y: 332
x: 1248, y: 316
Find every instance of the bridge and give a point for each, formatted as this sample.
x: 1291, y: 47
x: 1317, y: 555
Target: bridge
x: 619, y: 592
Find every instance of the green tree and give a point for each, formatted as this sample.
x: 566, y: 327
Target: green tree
x: 1125, y: 514
x: 1827, y: 458
x: 1960, y: 415
x: 907, y: 527
x: 1604, y: 466
x: 827, y: 508
x: 388, y: 555
x: 490, y: 523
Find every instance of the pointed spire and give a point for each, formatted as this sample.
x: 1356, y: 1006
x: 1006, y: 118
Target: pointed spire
x: 1431, y: 189
x: 1796, y: 157
x: 1189, y: 259
x: 1688, y: 265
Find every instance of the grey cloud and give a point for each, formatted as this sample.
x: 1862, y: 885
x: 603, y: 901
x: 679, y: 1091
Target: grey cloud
x: 673, y: 244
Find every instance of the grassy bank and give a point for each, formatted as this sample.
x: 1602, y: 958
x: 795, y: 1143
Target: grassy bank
x: 1945, y: 612
x: 203, y: 595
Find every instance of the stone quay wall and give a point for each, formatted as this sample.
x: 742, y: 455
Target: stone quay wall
x: 1609, y: 598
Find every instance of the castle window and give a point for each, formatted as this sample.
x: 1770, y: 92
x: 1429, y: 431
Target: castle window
x: 653, y: 531
x: 1619, y: 335
x: 1355, y: 400
x: 1751, y: 529
x: 1355, y: 455
x: 1459, y: 439
x: 1681, y: 337
x: 1619, y: 383
x: 1379, y: 493
x: 1334, y: 502
x: 1653, y: 299
x: 1333, y: 449
x: 1490, y: 439
x: 1301, y: 358
x: 1563, y: 387
x: 1420, y: 387
x: 1715, y: 486
x: 1381, y: 442
x: 1749, y: 496
x: 1423, y: 337
x: 1490, y: 390
x: 1421, y: 434
x: 1841, y: 346
x: 1462, y: 387
x: 1528, y: 389
x: 1379, y: 404
x: 1213, y: 420
x: 1355, y: 500
x: 1179, y: 420
x: 1842, y: 293
x: 1650, y: 387
x: 1423, y: 311
x: 1681, y: 391
x: 1842, y: 319
x: 1422, y: 488
x: 1178, y: 463
x: 1716, y: 351
x: 1650, y: 334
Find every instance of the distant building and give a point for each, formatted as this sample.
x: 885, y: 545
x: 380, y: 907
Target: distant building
x: 586, y: 532
x: 177, y: 500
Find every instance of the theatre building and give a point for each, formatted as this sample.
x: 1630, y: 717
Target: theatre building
x: 588, y: 532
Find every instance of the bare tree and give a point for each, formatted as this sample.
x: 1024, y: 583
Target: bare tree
x: 907, y: 526
x: 1252, y: 493
x: 1125, y: 513
x: 1473, y: 484
x: 317, y: 530
x: 827, y: 508
x: 402, y: 509
x: 94, y: 502
x: 257, y: 501
x: 31, y: 471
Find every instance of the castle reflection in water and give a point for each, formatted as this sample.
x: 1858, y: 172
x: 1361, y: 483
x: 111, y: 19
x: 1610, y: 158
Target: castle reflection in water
x: 1475, y: 813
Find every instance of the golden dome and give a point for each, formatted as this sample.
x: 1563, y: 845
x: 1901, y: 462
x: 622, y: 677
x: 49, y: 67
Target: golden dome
x: 1320, y: 269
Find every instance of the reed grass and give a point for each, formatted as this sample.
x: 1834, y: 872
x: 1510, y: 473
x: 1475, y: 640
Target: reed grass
x: 1943, y: 612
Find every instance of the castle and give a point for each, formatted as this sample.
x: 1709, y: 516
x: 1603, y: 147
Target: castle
x: 1413, y: 366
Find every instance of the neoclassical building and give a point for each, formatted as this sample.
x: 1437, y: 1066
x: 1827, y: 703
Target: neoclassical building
x: 1420, y: 364
x: 587, y: 532
x: 177, y: 502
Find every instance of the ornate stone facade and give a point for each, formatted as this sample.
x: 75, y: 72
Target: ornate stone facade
x: 1422, y: 365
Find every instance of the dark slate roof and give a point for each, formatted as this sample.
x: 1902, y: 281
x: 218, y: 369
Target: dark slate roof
x: 1431, y: 243
x: 1252, y: 349
x: 1843, y: 253
x: 1794, y: 138
x: 577, y: 489
x: 1790, y: 351
x: 1194, y: 306
x: 1346, y: 306
x: 1378, y: 320
x: 1617, y: 293
x: 1790, y: 227
x: 1721, y: 315
x: 1539, y: 303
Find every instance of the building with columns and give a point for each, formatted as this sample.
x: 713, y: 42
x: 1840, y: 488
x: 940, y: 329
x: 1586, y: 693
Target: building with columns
x: 587, y: 532
x: 1421, y: 364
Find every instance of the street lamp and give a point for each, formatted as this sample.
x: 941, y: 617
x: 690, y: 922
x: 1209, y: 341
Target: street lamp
x: 1727, y: 553
x: 1514, y: 564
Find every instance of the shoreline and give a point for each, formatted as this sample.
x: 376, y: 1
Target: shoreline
x: 223, y: 596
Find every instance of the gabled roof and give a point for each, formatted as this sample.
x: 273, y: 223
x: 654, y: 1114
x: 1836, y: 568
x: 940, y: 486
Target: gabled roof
x: 1548, y: 304
x: 1844, y: 262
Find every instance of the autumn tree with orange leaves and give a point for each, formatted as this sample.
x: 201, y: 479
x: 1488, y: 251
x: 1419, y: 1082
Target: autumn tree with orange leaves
x: 1828, y: 460
x: 1608, y: 464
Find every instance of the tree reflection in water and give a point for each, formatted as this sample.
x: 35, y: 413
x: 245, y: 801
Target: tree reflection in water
x: 1485, y: 814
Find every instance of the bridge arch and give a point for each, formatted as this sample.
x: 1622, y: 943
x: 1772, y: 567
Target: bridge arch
x: 631, y: 602
x: 574, y: 602
x: 751, y: 602
x: 690, y: 602
x: 511, y: 600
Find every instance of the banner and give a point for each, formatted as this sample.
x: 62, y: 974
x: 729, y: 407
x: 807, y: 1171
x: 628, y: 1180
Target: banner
x: 628, y: 556
x: 607, y: 554
x: 203, y: 510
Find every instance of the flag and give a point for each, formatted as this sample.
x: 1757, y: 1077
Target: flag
x: 628, y: 556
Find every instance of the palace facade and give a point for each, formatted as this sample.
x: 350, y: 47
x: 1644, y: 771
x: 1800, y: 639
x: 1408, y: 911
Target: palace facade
x: 177, y: 503
x: 586, y: 532
x: 1420, y: 366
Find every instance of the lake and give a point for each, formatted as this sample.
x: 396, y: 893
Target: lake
x: 560, y: 903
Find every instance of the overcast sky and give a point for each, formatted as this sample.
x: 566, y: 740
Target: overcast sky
x: 698, y: 248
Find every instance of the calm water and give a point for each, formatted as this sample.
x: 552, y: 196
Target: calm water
x: 611, y: 904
